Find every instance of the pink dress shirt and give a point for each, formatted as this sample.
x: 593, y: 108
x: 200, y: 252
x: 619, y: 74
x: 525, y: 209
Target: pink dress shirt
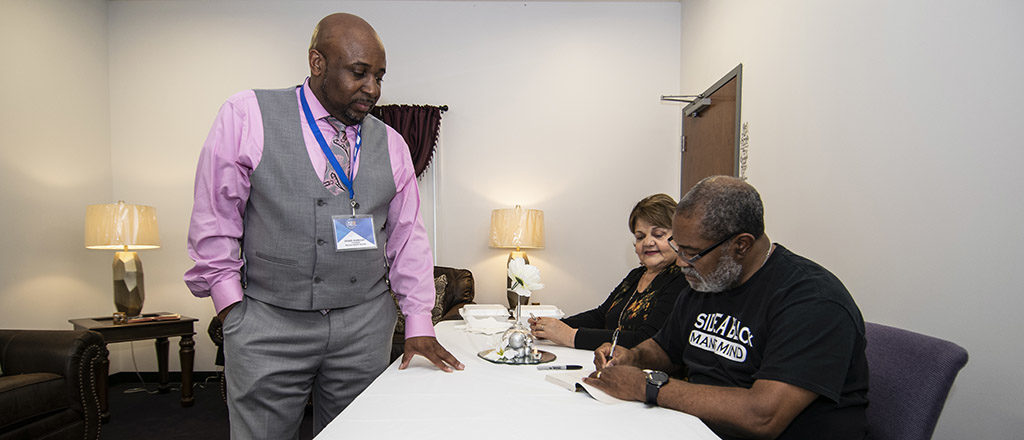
x: 233, y: 150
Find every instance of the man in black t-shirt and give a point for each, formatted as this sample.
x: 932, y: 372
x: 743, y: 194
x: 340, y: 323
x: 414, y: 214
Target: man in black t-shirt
x: 770, y: 344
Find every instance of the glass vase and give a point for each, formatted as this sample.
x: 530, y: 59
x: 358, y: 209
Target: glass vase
x: 517, y: 344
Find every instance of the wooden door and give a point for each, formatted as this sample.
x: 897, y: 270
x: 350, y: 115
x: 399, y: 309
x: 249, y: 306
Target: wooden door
x: 711, y: 132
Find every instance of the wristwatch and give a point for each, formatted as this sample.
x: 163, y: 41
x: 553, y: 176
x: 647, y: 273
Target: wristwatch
x: 655, y: 380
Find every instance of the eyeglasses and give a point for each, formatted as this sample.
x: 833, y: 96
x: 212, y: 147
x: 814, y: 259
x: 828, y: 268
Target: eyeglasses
x: 699, y: 255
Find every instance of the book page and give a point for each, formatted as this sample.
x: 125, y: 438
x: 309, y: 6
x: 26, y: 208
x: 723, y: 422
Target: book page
x: 573, y: 381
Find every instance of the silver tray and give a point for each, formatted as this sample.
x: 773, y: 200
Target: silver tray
x: 545, y: 357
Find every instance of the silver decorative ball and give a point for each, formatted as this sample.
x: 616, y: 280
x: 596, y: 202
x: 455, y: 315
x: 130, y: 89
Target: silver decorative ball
x: 517, y: 340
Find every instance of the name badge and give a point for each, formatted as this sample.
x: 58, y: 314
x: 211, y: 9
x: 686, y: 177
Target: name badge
x: 354, y: 233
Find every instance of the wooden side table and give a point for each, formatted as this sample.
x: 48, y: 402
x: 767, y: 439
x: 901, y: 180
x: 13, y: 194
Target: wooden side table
x: 159, y: 330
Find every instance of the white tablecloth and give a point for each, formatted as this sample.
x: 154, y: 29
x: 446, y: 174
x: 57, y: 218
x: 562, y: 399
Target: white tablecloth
x: 489, y: 402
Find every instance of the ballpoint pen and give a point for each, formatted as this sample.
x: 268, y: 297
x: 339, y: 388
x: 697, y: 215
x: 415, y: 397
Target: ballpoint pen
x: 560, y: 367
x: 615, y: 340
x: 615, y: 336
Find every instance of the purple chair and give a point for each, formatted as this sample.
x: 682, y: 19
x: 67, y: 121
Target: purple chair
x: 910, y: 377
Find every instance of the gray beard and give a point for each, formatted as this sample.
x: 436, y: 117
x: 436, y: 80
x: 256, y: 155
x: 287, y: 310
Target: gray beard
x: 725, y: 276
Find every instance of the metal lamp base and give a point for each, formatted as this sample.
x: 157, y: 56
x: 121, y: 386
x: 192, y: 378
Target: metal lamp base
x: 129, y: 293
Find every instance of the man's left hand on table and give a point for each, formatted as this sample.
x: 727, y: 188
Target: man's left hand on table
x: 429, y: 348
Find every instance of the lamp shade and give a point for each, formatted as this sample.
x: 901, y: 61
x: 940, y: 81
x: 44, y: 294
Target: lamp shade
x: 118, y: 226
x: 517, y: 228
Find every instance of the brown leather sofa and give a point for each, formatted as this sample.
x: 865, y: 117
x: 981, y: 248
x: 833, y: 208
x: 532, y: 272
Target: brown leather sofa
x: 48, y: 388
x: 460, y: 290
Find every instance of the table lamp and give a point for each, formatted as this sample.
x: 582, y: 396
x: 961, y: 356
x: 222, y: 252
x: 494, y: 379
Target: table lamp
x: 517, y: 229
x: 125, y: 228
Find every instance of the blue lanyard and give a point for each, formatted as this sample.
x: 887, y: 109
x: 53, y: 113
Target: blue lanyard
x: 345, y: 179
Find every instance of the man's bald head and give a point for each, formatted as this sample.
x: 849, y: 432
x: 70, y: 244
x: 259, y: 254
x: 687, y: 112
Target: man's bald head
x: 346, y: 66
x: 340, y: 27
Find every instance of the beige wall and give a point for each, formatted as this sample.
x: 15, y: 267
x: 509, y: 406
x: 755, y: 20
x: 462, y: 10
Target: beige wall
x: 883, y: 139
x: 552, y: 105
x: 54, y: 160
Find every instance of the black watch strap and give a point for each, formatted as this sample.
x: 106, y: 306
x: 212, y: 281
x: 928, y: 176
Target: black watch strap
x: 655, y: 380
x: 652, y: 394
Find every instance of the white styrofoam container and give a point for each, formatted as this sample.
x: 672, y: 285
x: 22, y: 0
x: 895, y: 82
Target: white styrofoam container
x: 484, y: 311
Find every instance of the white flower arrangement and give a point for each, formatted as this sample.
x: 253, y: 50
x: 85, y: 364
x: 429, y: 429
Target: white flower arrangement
x: 525, y: 278
x: 517, y: 343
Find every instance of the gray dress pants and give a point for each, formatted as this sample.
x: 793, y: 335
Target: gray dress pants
x: 275, y: 359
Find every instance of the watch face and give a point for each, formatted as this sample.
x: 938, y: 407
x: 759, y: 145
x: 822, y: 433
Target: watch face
x: 656, y: 378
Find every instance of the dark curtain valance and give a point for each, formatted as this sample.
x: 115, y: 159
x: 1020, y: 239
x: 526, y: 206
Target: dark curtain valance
x: 418, y: 124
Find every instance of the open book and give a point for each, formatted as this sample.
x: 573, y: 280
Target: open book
x: 149, y: 317
x: 573, y: 381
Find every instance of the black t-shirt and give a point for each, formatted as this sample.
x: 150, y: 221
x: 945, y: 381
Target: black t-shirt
x: 643, y: 318
x: 793, y: 322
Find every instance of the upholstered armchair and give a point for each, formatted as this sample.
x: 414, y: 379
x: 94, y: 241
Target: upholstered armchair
x: 48, y: 387
x: 910, y: 377
x: 454, y: 288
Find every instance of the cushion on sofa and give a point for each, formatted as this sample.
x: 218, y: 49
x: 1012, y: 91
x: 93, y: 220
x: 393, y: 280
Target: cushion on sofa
x: 26, y: 396
x: 440, y: 284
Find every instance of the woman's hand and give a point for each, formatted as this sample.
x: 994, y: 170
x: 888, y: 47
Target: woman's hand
x: 554, y: 330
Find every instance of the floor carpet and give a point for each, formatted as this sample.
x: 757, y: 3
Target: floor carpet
x: 137, y: 412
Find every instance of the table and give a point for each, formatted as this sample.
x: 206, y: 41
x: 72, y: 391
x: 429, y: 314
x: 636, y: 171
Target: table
x: 159, y: 330
x: 491, y: 401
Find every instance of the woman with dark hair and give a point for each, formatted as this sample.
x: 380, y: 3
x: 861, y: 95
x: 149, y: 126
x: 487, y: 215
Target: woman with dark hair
x: 639, y: 305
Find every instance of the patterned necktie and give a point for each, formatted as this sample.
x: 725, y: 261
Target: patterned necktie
x: 340, y: 148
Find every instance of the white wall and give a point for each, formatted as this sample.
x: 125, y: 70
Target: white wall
x: 552, y: 106
x: 883, y: 139
x: 54, y: 160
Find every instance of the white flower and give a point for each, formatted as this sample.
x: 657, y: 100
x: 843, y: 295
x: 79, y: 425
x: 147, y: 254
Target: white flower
x: 525, y: 278
x: 506, y: 352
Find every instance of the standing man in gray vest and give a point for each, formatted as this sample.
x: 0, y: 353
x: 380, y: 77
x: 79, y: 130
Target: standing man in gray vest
x: 302, y: 202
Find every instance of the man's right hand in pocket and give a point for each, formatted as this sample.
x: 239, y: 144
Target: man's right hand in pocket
x: 224, y: 312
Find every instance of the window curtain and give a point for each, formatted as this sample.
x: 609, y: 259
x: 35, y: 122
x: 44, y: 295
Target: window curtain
x: 418, y: 124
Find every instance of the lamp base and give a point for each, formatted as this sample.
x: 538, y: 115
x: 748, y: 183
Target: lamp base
x: 129, y: 293
x: 513, y: 297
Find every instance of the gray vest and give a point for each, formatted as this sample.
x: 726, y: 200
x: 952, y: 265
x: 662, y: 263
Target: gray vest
x: 288, y: 238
